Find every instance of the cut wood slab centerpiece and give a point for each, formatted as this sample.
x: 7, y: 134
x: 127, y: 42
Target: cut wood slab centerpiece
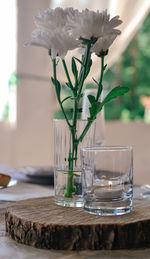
x: 41, y: 223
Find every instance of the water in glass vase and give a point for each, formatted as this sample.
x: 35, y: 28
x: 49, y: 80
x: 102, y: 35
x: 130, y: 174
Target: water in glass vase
x: 61, y: 181
x: 67, y: 163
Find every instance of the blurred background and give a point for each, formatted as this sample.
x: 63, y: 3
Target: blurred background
x: 27, y: 97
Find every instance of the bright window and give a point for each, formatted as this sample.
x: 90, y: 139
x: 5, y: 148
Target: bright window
x: 8, y: 53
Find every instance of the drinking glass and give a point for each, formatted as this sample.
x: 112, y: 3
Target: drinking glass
x: 107, y: 180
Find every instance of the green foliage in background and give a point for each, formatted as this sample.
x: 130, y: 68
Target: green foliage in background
x: 6, y: 111
x: 132, y: 70
x: 13, y: 80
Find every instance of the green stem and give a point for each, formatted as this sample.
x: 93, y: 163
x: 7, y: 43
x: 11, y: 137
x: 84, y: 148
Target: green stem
x: 67, y: 74
x: 100, y: 80
x: 83, y: 68
x: 89, y: 123
x: 75, y: 111
x: 70, y: 188
x: 60, y: 103
x: 72, y: 157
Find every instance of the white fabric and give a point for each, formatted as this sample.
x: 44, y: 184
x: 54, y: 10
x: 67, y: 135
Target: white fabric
x: 131, y: 12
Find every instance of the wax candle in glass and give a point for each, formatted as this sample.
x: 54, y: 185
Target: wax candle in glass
x: 107, y: 180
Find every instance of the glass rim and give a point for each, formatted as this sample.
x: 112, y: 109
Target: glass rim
x: 107, y: 148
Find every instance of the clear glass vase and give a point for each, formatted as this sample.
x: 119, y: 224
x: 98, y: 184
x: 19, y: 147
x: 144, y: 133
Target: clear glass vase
x: 67, y: 183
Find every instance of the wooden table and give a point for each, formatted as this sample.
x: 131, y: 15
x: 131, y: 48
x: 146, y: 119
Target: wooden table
x: 11, y: 249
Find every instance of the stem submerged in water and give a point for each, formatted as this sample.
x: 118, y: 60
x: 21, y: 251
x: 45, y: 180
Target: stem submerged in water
x: 70, y: 188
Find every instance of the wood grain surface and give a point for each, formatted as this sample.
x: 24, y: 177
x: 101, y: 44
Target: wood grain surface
x: 41, y: 223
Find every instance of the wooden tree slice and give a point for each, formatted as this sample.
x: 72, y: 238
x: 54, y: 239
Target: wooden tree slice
x: 41, y: 223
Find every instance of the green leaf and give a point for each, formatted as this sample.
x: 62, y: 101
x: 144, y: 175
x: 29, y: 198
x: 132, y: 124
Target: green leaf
x: 66, y: 98
x: 79, y: 61
x: 94, y: 110
x: 105, y: 66
x: 53, y: 81
x: 91, y: 99
x: 88, y: 67
x: 115, y: 92
x: 95, y: 81
x: 57, y: 87
x: 100, y: 89
x: 74, y: 69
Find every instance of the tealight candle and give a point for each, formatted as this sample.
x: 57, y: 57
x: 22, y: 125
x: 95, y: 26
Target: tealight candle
x: 108, y: 191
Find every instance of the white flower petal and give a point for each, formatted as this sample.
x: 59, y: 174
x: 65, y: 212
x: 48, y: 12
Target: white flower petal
x: 51, y: 32
x: 51, y: 19
x: 89, y: 24
x: 115, y: 21
x: 103, y: 44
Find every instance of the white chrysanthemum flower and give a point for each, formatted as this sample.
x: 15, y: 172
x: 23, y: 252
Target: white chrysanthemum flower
x: 103, y: 44
x: 56, y: 42
x: 52, y: 19
x: 94, y: 25
x: 51, y: 32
